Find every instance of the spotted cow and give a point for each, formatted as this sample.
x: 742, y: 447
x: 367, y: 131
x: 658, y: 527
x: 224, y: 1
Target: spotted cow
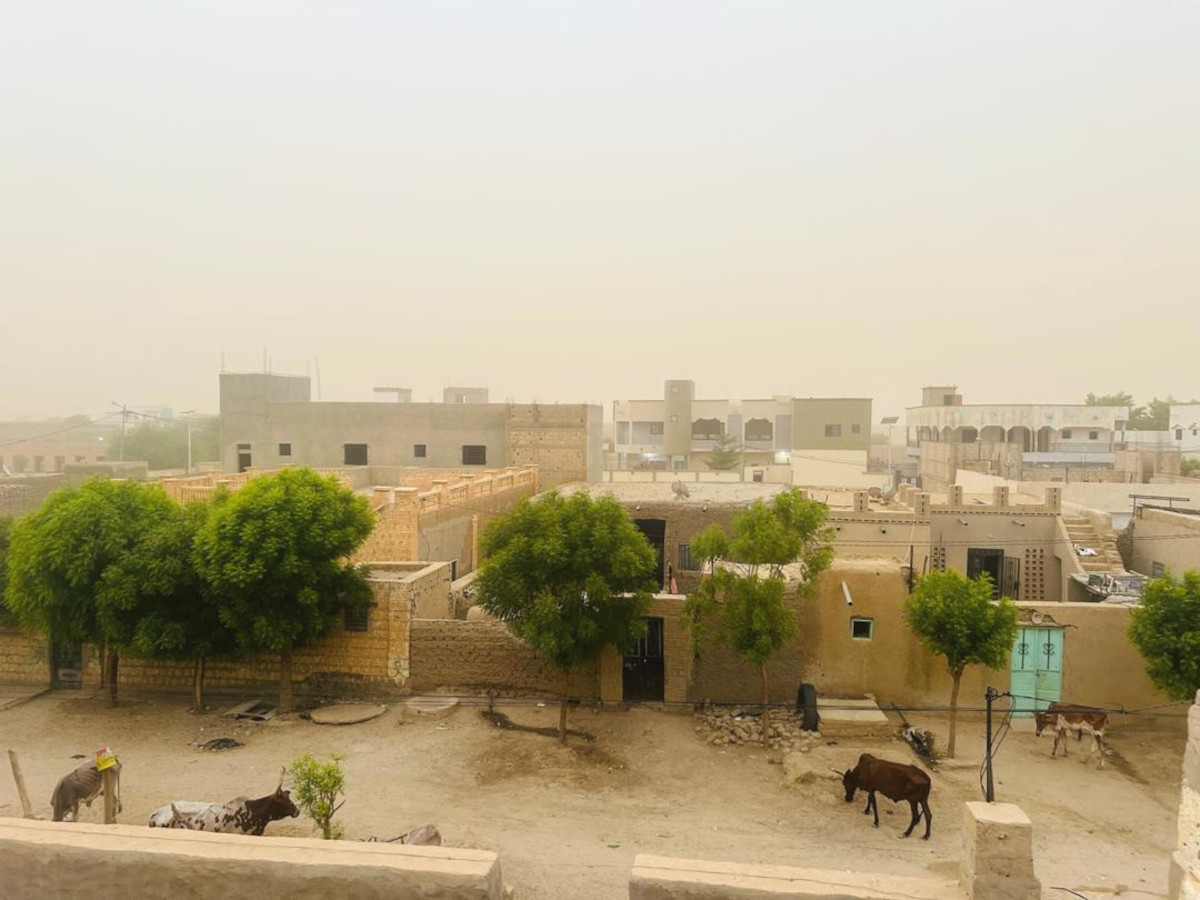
x: 238, y: 816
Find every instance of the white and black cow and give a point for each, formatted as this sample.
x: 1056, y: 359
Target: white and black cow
x: 238, y: 816
x: 81, y: 786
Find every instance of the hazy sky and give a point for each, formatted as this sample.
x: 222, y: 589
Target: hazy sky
x: 569, y: 201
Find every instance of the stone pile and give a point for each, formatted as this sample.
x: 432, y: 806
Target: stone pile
x: 735, y: 727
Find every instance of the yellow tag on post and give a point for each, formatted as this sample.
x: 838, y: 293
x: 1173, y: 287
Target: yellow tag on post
x: 105, y: 759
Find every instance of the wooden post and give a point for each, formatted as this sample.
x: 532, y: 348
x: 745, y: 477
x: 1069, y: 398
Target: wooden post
x: 20, y: 780
x: 108, y: 781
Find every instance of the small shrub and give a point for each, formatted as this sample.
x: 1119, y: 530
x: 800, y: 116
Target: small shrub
x: 317, y: 787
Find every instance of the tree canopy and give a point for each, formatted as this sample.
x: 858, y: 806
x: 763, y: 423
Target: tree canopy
x: 956, y: 618
x: 569, y: 575
x: 276, y: 557
x: 1166, y: 631
x: 1154, y: 416
x: 6, y: 524
x: 741, y: 597
x: 163, y: 445
x: 726, y: 453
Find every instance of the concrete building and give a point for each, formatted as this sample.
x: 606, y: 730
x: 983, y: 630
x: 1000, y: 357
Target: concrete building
x: 679, y: 431
x: 1166, y: 541
x: 270, y: 420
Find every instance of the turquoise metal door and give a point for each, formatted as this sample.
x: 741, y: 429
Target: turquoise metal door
x: 1036, y: 678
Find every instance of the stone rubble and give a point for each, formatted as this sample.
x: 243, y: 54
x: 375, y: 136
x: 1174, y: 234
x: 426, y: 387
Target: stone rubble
x: 737, y: 726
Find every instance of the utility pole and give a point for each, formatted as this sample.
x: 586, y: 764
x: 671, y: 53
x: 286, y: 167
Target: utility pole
x: 124, y: 418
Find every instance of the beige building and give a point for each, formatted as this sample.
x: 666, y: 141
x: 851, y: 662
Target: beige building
x: 1166, y: 541
x: 830, y: 435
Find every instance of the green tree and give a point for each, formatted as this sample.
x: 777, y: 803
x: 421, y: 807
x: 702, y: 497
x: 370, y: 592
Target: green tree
x: 1166, y: 631
x: 1154, y: 416
x: 320, y: 788
x: 275, y: 556
x: 1118, y: 399
x: 569, y: 576
x: 1189, y: 467
x: 6, y: 524
x: 726, y: 453
x: 741, y: 598
x: 955, y: 617
x: 164, y: 445
x: 156, y: 600
x: 61, y: 554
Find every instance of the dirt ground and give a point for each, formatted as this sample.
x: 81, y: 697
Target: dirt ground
x: 567, y: 822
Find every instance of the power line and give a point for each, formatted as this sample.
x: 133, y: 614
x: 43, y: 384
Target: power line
x: 73, y: 427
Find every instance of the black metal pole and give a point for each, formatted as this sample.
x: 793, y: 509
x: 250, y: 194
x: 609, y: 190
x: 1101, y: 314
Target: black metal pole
x: 991, y: 791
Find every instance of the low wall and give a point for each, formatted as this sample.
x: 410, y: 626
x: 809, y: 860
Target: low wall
x: 481, y: 654
x: 1184, y: 878
x: 57, y: 859
x: 24, y: 658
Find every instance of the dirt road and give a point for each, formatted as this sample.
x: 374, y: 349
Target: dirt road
x: 567, y: 822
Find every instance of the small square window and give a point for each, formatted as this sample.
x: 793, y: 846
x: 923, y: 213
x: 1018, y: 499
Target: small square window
x: 856, y: 429
x: 674, y: 418
x: 1066, y: 434
x: 474, y: 455
x: 862, y: 629
x: 685, y: 558
x: 419, y: 451
x: 1157, y: 570
x: 354, y: 454
x: 833, y: 431
x: 356, y: 619
x: 656, y: 427
x: 285, y: 449
x: 1093, y: 435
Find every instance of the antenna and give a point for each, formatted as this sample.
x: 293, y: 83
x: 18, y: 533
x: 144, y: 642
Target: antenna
x: 317, y: 365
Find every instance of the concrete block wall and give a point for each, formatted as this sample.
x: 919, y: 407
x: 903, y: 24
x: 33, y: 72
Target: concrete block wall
x: 64, y: 859
x: 24, y: 658
x: 480, y: 655
x: 997, y: 860
x: 1184, y: 880
x: 553, y: 438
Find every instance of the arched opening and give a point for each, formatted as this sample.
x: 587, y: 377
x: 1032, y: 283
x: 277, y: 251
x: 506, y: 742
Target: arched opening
x: 965, y: 434
x: 1019, y: 434
x: 947, y: 434
x: 707, y: 429
x: 924, y: 434
x: 993, y: 434
x: 1045, y: 437
x: 759, y: 430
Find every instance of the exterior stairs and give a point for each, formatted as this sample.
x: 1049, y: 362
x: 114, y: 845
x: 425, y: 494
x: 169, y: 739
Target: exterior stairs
x: 1083, y: 534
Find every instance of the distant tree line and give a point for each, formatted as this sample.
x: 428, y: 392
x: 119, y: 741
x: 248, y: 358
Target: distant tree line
x: 118, y: 565
x: 1154, y: 416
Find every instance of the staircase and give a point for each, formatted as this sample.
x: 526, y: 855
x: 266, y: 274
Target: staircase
x: 1083, y: 534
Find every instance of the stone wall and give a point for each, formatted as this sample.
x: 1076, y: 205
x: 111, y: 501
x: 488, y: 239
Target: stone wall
x: 24, y: 658
x: 556, y: 439
x: 480, y: 655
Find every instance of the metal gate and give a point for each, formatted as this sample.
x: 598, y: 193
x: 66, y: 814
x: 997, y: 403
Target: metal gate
x: 642, y: 670
x: 1036, y: 679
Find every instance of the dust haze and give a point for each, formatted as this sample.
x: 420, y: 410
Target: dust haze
x: 569, y: 203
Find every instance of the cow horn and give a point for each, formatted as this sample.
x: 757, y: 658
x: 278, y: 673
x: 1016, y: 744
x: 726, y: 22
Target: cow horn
x: 282, y: 773
x: 835, y: 771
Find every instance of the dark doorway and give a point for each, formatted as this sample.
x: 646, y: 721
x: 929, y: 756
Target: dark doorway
x: 243, y: 457
x: 642, y: 676
x: 66, y: 665
x: 993, y: 564
x: 655, y: 531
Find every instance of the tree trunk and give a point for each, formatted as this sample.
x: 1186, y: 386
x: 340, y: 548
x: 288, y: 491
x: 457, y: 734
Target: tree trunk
x: 957, y: 676
x: 562, y: 710
x: 104, y: 665
x: 113, y: 663
x: 766, y: 716
x: 198, y: 682
x: 285, y: 681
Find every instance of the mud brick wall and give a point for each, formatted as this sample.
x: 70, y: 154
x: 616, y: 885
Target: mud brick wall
x: 24, y: 658
x: 553, y: 438
x: 480, y: 655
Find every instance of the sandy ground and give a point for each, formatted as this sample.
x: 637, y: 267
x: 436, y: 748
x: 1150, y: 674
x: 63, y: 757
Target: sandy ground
x: 567, y: 822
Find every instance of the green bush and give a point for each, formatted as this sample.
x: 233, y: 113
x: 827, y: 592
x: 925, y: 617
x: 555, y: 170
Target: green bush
x: 317, y: 786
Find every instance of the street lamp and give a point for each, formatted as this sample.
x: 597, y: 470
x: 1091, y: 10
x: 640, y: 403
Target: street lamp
x: 189, y: 412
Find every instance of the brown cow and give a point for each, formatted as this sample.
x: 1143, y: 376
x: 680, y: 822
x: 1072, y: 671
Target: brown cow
x: 1064, y: 717
x: 81, y: 786
x: 896, y: 781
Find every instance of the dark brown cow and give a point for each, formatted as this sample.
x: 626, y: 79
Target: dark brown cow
x: 1064, y: 717
x: 81, y: 786
x: 896, y: 781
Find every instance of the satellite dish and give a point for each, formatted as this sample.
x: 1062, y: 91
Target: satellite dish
x: 1036, y: 617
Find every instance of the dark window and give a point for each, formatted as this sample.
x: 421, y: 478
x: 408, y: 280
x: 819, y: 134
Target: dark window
x: 419, y: 451
x: 354, y: 454
x: 759, y: 430
x: 285, y: 449
x: 1066, y: 434
x: 357, y: 619
x: 656, y: 427
x: 856, y: 429
x: 862, y: 629
x: 474, y: 455
x: 706, y: 429
x: 685, y: 558
x: 59, y: 462
x: 833, y: 431
x: 1093, y: 435
x: 674, y: 418
x: 1157, y: 570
